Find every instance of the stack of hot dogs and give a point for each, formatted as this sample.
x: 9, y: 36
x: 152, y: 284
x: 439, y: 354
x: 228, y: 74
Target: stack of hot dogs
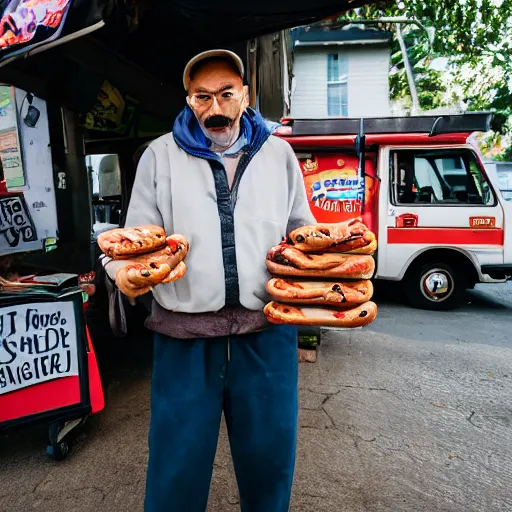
x: 145, y: 257
x: 321, y: 276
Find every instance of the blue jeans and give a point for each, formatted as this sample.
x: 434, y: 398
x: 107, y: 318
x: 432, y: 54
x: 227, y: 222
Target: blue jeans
x: 254, y: 381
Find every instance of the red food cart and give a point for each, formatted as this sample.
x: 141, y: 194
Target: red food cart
x: 48, y: 368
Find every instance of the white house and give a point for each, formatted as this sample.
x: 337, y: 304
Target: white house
x: 340, y: 73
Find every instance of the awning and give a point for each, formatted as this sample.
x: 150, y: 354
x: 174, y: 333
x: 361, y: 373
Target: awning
x: 145, y: 28
x: 138, y: 46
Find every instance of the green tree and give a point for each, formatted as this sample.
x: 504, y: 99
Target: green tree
x: 475, y: 37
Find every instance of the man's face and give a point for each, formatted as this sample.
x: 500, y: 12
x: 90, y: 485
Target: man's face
x: 218, y: 98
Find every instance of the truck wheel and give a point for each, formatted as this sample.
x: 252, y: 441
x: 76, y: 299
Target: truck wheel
x: 435, y: 286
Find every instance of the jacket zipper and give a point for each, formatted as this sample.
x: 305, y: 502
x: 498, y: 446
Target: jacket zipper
x: 242, y: 165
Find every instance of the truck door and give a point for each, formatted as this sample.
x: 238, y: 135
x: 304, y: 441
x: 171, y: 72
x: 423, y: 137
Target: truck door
x: 438, y: 198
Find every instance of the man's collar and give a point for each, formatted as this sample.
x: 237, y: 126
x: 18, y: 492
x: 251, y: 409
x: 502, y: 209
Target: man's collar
x: 235, y: 149
x: 191, y: 139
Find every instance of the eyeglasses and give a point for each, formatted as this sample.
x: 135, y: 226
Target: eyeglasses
x: 204, y: 100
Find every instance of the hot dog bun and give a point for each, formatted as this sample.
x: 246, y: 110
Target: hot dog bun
x: 284, y: 260
x: 359, y: 316
x: 369, y: 249
x: 324, y: 293
x: 174, y: 252
x: 352, y: 236
x: 129, y: 242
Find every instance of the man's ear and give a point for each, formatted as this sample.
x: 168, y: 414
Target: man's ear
x: 246, y: 96
x: 188, y: 101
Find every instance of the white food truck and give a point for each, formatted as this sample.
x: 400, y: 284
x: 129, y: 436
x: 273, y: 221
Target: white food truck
x: 441, y: 221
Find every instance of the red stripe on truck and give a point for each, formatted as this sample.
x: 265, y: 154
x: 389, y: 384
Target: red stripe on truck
x: 445, y: 236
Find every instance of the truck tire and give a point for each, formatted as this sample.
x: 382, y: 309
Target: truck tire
x: 435, y: 286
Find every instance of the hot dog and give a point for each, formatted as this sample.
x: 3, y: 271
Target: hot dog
x: 285, y: 260
x: 136, y: 268
x: 176, y: 273
x: 351, y: 237
x: 175, y: 251
x: 128, y: 242
x: 359, y: 316
x: 332, y: 293
x: 137, y: 275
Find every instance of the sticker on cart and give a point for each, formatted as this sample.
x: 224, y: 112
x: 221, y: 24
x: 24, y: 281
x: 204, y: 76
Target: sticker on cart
x: 38, y: 343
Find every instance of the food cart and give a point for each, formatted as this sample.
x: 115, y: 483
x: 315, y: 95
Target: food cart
x: 48, y: 368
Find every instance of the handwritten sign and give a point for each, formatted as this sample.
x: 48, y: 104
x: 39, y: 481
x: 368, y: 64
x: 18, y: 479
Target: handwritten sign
x: 38, y: 343
x: 16, y: 225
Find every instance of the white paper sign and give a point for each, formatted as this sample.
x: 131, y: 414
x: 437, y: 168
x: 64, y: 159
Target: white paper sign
x: 38, y: 343
x: 30, y: 218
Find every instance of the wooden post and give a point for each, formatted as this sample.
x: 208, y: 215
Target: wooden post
x: 253, y: 72
x: 270, y: 76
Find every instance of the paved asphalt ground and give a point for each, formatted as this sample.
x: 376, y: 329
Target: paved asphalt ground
x: 413, y: 413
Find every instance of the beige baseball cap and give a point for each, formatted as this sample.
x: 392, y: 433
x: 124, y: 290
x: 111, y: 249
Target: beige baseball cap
x: 207, y: 55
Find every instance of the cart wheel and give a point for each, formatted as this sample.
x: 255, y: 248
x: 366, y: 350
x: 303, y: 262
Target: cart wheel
x: 58, y: 451
x: 57, y: 448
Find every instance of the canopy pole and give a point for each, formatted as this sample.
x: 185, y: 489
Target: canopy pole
x: 253, y: 72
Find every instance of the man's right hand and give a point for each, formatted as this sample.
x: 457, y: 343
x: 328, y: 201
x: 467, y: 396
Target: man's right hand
x: 138, y: 279
x: 138, y: 275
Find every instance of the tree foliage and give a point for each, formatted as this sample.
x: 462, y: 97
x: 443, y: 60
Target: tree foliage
x: 475, y: 38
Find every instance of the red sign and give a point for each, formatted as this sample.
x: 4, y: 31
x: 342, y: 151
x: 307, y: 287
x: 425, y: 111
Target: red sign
x: 482, y: 222
x: 407, y: 220
x: 334, y: 188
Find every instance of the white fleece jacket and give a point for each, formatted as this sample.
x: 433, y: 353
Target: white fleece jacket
x: 176, y: 190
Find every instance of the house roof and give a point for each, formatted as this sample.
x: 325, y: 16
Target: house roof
x: 323, y: 36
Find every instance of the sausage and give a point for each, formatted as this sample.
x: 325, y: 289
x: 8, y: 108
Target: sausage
x: 324, y: 293
x: 137, y: 279
x: 176, y: 273
x: 358, y: 316
x: 351, y: 236
x: 174, y: 252
x: 285, y: 260
x: 128, y: 242
x: 137, y: 274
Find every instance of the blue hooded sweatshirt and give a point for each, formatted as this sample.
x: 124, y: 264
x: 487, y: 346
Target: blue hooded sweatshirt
x: 254, y: 131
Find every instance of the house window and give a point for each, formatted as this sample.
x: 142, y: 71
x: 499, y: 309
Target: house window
x: 337, y: 90
x: 447, y: 177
